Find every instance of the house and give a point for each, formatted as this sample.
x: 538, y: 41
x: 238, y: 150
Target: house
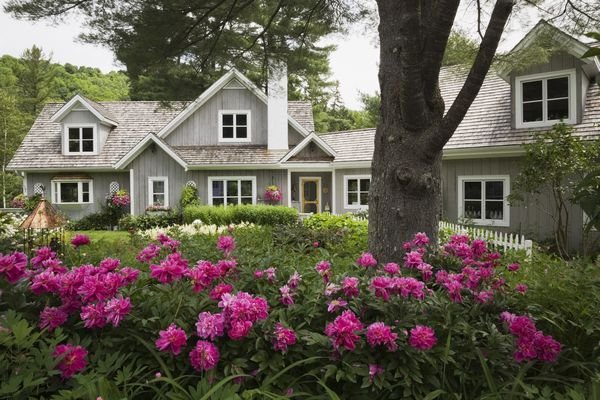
x: 233, y: 141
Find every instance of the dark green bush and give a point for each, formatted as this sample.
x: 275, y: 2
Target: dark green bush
x: 143, y: 222
x: 256, y: 214
x: 189, y: 197
x: 91, y: 222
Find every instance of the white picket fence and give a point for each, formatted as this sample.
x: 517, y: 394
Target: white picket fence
x: 506, y: 241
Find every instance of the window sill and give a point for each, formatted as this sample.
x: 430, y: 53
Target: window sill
x: 543, y: 124
x: 490, y: 222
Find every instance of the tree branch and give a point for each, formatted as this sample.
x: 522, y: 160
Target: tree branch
x: 479, y: 69
x: 435, y: 43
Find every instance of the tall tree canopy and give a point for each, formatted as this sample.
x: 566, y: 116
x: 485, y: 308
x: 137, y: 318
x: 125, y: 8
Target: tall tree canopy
x: 205, y: 36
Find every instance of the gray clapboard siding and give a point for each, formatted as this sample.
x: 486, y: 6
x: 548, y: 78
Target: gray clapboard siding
x: 339, y: 187
x: 101, y: 183
x: 530, y: 218
x: 202, y: 127
x: 558, y: 62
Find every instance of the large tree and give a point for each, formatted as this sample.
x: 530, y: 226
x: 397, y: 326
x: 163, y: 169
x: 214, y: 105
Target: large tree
x: 413, y: 35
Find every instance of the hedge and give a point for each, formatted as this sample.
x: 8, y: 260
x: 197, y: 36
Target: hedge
x: 257, y: 214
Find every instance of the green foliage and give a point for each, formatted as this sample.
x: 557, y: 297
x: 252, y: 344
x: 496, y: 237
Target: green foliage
x: 256, y: 214
x: 189, y: 197
x: 587, y: 195
x: 135, y: 223
x: 593, y: 51
x: 461, y: 49
x: 354, y: 230
x: 564, y: 160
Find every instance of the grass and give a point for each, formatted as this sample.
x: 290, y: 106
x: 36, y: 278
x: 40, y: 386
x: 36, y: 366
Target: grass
x: 108, y: 236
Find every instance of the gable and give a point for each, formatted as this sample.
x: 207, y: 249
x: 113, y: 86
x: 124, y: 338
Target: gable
x: 80, y: 103
x: 311, y: 152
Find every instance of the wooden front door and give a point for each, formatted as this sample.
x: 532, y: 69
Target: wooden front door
x: 310, y: 195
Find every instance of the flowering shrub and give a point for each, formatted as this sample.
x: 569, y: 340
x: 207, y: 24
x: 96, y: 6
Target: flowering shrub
x: 118, y: 199
x: 243, y: 315
x: 273, y: 194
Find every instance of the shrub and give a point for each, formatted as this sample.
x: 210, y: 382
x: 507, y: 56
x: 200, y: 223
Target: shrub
x: 189, y: 197
x: 355, y: 230
x: 256, y: 214
x: 134, y: 223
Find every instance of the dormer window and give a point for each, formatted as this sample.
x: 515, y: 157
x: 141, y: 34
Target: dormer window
x: 80, y: 139
x: 545, y: 99
x: 234, y: 126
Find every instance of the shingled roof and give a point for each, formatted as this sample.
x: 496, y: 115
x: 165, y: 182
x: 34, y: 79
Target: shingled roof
x: 215, y: 155
x: 302, y: 112
x: 486, y: 124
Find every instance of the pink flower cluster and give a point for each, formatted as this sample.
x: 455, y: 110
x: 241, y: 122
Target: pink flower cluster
x: 99, y: 314
x: 273, y: 194
x: 344, y: 331
x: 531, y: 343
x: 422, y: 337
x: 71, y: 359
x: 270, y: 274
x: 172, y: 339
x: 170, y: 269
x: 119, y: 199
x: 288, y: 291
x: 240, y: 312
x: 80, y: 240
x: 379, y: 334
x: 367, y: 260
x: 384, y: 287
x: 226, y: 244
x: 283, y: 338
x: 324, y: 269
x: 205, y: 274
x: 205, y: 356
x: 13, y: 266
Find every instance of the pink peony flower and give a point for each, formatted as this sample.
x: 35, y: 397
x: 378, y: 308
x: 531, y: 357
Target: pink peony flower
x: 205, y: 356
x: 13, y: 266
x: 454, y: 289
x: 171, y: 339
x: 109, y: 264
x: 52, y: 317
x: 226, y: 244
x: 210, y: 326
x: 331, y: 289
x: 95, y: 288
x: 485, y: 296
x: 42, y: 254
x: 547, y: 349
x: 203, y: 275
x: 316, y: 244
x: 378, y: 334
x: 149, y: 253
x: 80, y: 240
x: 287, y: 297
x: 422, y: 337
x: 45, y: 282
x: 366, y: 260
x: 335, y: 305
x: 380, y: 285
x: 219, y: 290
x: 283, y: 337
x: 342, y: 332
x: 521, y: 288
x: 324, y: 269
x: 226, y: 266
x: 239, y: 329
x: 168, y: 242
x: 426, y: 271
x: 350, y: 286
x: 513, y: 267
x: 375, y: 370
x: 413, y: 259
x: 116, y: 309
x: 72, y: 359
x: 129, y: 275
x: 172, y: 268
x: 294, y: 280
x: 93, y: 316
x: 420, y: 239
x: 391, y: 268
x: 271, y: 274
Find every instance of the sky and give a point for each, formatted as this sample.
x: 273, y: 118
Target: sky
x: 354, y: 64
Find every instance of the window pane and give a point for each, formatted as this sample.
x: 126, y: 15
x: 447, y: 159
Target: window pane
x: 310, y: 191
x: 228, y: 132
x: 494, y: 190
x: 232, y: 188
x: 158, y: 199
x: 472, y: 210
x: 74, y: 146
x: 353, y: 185
x: 247, y: 188
x: 532, y: 112
x: 68, y: 192
x: 365, y: 184
x: 85, y: 187
x: 232, y: 200
x: 494, y: 210
x: 218, y: 202
x: 73, y: 133
x: 88, y: 133
x: 158, y: 186
x: 353, y: 198
x: 242, y: 132
x: 88, y: 146
x: 246, y: 200
x: 472, y: 190
x: 85, y: 197
x: 364, y: 199
x: 217, y: 189
x: 241, y: 119
x: 558, y: 109
x: 532, y: 90
x: 227, y: 119
x: 558, y: 87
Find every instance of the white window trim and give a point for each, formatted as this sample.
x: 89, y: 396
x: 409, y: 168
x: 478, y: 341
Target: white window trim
x: 66, y: 139
x: 151, y: 180
x: 231, y: 178
x: 570, y: 73
x: 506, y: 207
x: 354, y: 206
x: 55, y: 193
x: 248, y: 126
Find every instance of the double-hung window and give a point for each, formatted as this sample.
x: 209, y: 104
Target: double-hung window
x: 231, y: 190
x: 545, y: 99
x: 356, y: 191
x: 70, y: 191
x: 80, y: 139
x: 158, y: 191
x: 234, y: 126
x: 482, y: 199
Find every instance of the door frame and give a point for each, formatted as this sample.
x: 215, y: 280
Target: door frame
x: 310, y: 178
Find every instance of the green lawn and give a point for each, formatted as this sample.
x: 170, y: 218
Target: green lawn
x: 109, y: 236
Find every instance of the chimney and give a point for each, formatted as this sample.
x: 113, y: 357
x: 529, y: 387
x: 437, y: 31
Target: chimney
x: 277, y: 106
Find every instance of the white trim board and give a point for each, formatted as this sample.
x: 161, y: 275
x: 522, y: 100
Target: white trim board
x: 54, y: 194
x: 141, y: 146
x: 71, y: 106
x: 234, y: 139
x: 151, y: 180
x: 65, y: 139
x: 345, y: 193
x: 505, y: 221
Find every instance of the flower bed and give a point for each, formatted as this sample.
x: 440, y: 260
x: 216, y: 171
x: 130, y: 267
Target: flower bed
x: 173, y: 327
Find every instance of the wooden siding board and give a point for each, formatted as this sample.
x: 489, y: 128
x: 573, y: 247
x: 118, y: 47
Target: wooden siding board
x: 202, y: 127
